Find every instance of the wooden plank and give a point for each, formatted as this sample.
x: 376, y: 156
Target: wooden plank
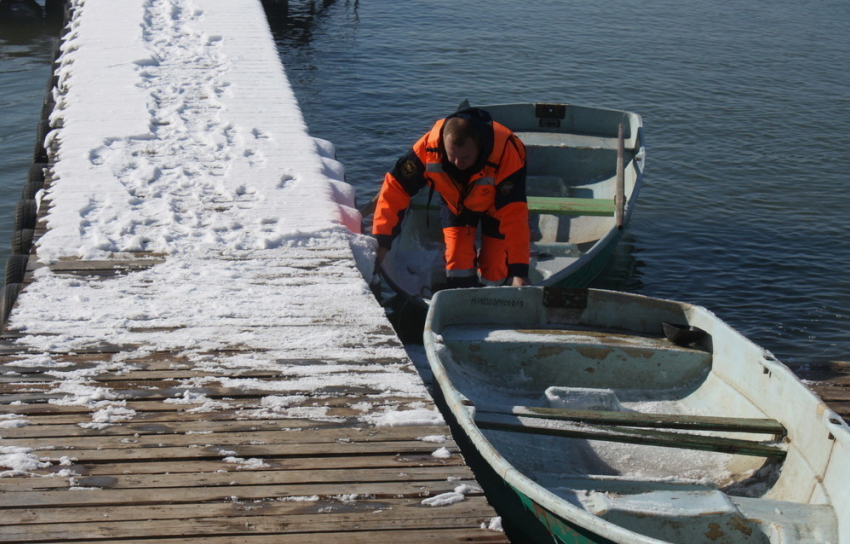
x: 209, y: 392
x: 639, y: 419
x: 246, y: 477
x: 842, y: 409
x: 398, y: 461
x: 237, y: 409
x: 315, y: 321
x: 564, y: 139
x: 142, y: 263
x: 301, y: 436
x: 830, y: 393
x: 433, y: 535
x: 215, y: 451
x: 201, y: 425
x: 129, y: 497
x: 338, y: 413
x: 836, y: 379
x: 392, y: 507
x: 39, y: 391
x: 13, y: 382
x: 836, y: 373
x: 168, y: 366
x: 631, y: 436
x: 311, y: 522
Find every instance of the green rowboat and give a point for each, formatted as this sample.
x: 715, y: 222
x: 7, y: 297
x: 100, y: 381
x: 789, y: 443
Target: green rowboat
x: 585, y: 167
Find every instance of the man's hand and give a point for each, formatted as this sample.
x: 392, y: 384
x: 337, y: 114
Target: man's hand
x: 382, y: 253
x: 520, y: 282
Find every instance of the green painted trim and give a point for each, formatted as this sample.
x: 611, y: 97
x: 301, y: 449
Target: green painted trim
x: 562, y: 531
x: 598, y: 207
x: 552, y: 205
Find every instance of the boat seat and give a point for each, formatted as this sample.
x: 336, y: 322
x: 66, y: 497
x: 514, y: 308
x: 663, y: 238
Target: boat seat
x: 552, y: 205
x: 560, y: 139
x: 795, y: 522
x: 638, y: 505
x: 693, y: 516
x: 597, y: 207
x: 595, y: 359
x: 710, y: 516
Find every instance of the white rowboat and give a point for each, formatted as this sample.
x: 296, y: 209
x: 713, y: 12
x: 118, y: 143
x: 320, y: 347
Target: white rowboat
x: 592, y: 422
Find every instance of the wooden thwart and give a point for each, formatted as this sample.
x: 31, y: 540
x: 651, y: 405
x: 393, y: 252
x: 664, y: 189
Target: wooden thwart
x: 556, y: 205
x: 553, y: 205
x: 629, y: 435
x: 640, y: 419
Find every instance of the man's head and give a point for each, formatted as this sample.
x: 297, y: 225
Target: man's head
x: 462, y: 142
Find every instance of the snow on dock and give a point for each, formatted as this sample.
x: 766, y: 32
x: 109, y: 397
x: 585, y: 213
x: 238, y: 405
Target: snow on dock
x: 196, y: 354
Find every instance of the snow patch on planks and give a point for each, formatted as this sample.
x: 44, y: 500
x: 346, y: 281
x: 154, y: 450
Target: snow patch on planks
x: 237, y: 468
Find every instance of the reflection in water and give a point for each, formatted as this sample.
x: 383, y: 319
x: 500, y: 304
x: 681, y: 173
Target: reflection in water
x: 17, y: 12
x: 623, y: 271
x: 293, y: 22
x: 20, y: 11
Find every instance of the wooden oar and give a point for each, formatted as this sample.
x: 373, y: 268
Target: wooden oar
x: 640, y: 419
x: 628, y: 435
x: 620, y: 196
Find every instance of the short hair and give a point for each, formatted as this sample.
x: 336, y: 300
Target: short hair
x: 461, y: 131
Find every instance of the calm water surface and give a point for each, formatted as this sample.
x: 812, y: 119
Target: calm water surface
x: 745, y: 105
x: 26, y: 51
x: 747, y: 113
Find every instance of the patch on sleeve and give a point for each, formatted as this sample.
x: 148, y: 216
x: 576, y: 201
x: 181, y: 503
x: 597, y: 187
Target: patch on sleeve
x: 407, y: 169
x: 506, y: 187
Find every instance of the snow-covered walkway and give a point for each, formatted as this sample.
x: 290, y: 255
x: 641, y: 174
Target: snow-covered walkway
x: 197, y: 330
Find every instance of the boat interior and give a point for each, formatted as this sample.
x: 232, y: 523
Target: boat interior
x: 634, y: 429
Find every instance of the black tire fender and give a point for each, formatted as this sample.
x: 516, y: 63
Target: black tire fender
x: 26, y: 214
x: 16, y: 268
x: 22, y: 241
x: 8, y: 297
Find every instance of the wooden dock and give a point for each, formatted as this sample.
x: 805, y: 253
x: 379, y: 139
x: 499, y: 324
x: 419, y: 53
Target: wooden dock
x: 831, y: 381
x: 253, y: 392
x: 190, y: 472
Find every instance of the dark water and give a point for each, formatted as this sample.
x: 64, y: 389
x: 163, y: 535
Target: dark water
x: 26, y: 52
x: 747, y: 113
x: 745, y: 103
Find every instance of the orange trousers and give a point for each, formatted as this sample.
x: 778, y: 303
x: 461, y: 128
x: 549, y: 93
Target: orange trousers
x: 464, y: 264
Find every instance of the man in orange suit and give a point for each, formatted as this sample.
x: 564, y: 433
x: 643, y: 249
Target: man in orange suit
x: 478, y: 168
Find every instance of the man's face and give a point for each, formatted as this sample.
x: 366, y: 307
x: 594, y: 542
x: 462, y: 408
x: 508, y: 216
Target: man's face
x: 462, y: 157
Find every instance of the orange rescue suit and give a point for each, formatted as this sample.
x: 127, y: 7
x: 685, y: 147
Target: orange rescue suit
x: 492, y: 192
